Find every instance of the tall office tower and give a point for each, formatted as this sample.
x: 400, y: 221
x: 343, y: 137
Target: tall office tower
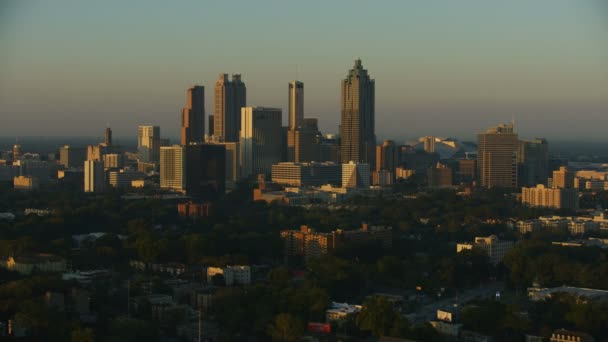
x: 563, y: 178
x: 303, y: 142
x: 387, y: 156
x: 429, y: 144
x: 193, y: 116
x: 467, y: 171
x: 72, y: 157
x: 439, y: 176
x: 173, y: 168
x: 296, y: 104
x: 94, y: 176
x: 16, y: 152
x: 34, y: 168
x: 148, y: 144
x: 210, y: 125
x: 355, y: 175
x: 230, y: 97
x: 533, y: 162
x: 260, y: 140
x: 357, y: 129
x: 497, y: 157
x: 205, y: 170
x: 108, y: 140
x: 113, y: 161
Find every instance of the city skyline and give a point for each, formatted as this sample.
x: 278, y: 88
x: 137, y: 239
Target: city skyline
x: 437, y: 72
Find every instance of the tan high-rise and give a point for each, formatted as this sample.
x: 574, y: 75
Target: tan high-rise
x: 193, y: 116
x: 357, y: 128
x: 563, y: 178
x: 497, y: 157
x: 296, y: 104
x: 230, y: 97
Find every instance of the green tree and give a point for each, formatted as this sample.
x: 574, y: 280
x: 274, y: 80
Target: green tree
x: 83, y: 335
x: 286, y: 328
x: 377, y: 316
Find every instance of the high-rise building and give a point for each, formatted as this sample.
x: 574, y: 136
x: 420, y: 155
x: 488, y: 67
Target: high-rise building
x: 148, y: 144
x: 303, y: 142
x: 439, y: 176
x: 16, y: 152
x: 173, y: 168
x: 296, y: 104
x: 429, y: 144
x: 230, y: 97
x: 260, y: 140
x: 355, y: 175
x: 210, y: 125
x: 95, y: 152
x: 113, y: 161
x: 108, y: 138
x: 193, y: 116
x: 533, y: 162
x: 387, y: 156
x: 205, y: 170
x: 94, y: 176
x: 34, y: 168
x: 563, y: 178
x: 357, y: 128
x: 497, y: 157
x: 467, y: 171
x: 72, y: 157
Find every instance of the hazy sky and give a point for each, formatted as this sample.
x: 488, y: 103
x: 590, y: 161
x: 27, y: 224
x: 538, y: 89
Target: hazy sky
x: 447, y: 68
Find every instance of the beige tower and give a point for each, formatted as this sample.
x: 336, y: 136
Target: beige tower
x: 357, y: 128
x: 173, y: 168
x: 497, y: 157
x: 296, y: 104
x: 563, y: 178
x: 230, y: 97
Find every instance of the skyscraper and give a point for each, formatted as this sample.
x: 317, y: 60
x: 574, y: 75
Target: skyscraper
x: 357, y: 129
x: 387, y: 156
x: 497, y: 157
x: 296, y: 104
x: 16, y: 152
x: 563, y: 178
x: 261, y: 135
x: 533, y: 162
x: 230, y: 97
x: 205, y: 170
x: 193, y: 116
x: 72, y: 157
x: 429, y: 144
x: 108, y: 140
x: 303, y: 142
x: 173, y: 168
x: 94, y: 176
x: 148, y: 144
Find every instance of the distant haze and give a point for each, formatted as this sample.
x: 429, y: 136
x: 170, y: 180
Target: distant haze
x: 445, y: 68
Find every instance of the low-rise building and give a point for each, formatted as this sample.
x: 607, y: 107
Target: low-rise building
x: 529, y: 226
x: 539, y: 293
x: 239, y: 275
x: 494, y: 248
x: 26, y: 183
x: 27, y: 264
x: 306, y: 174
x: 339, y: 312
x: 446, y: 323
x: 191, y: 209
x: 563, y: 335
